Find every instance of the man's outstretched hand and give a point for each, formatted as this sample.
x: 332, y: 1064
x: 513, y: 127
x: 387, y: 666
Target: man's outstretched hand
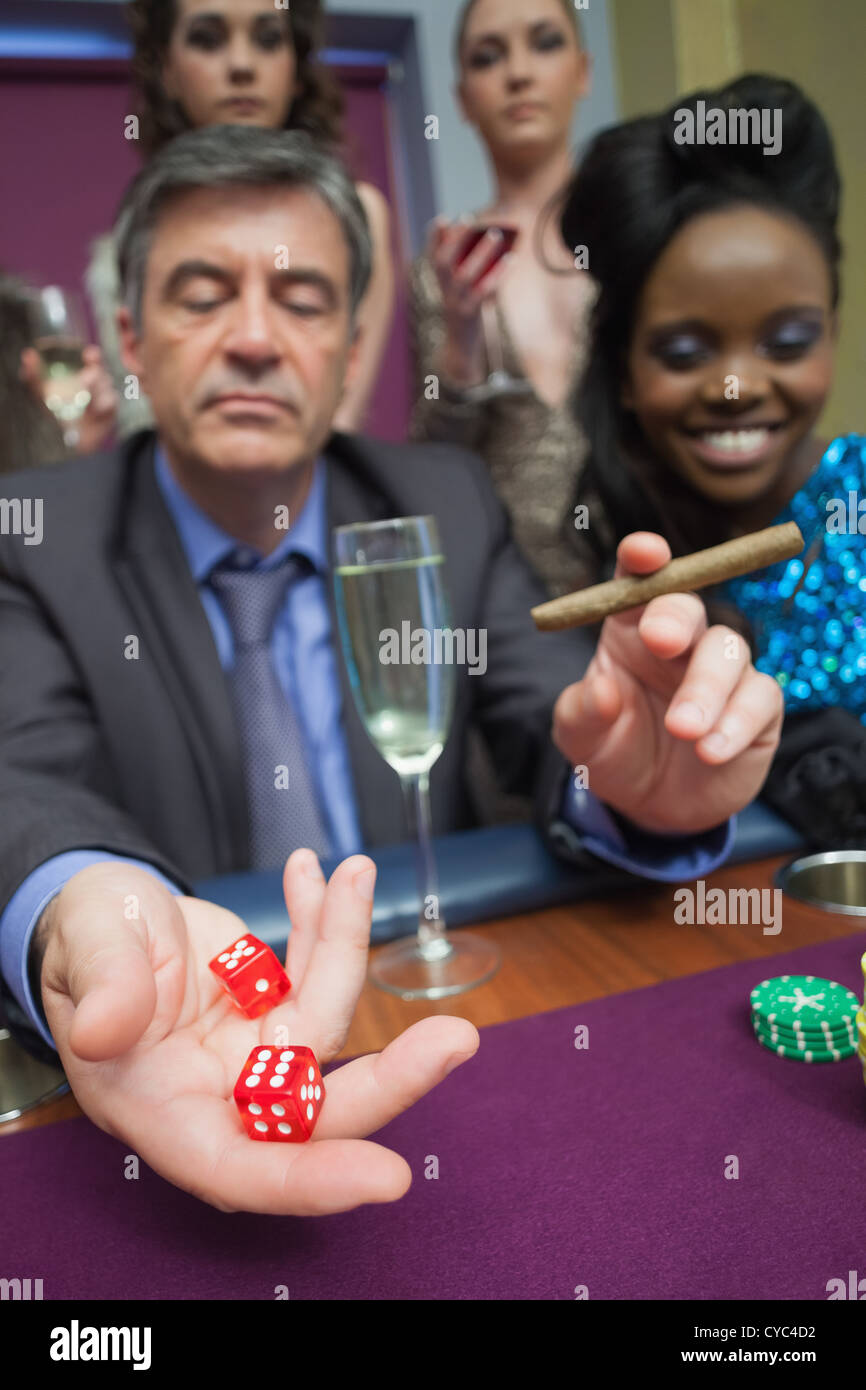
x: 674, y: 724
x: 152, y: 1045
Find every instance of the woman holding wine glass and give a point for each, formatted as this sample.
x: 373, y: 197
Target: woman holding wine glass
x: 241, y: 62
x: 56, y: 398
x: 499, y: 317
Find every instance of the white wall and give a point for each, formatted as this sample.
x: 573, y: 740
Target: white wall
x: 460, y: 169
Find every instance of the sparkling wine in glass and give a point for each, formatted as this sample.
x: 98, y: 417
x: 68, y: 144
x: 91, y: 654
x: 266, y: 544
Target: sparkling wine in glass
x: 390, y: 593
x: 59, y: 338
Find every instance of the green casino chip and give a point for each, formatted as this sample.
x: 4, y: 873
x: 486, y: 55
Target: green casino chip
x: 847, y: 1025
x: 820, y: 1041
x: 807, y: 1000
x: 802, y: 1044
x: 846, y: 1032
x: 807, y: 1055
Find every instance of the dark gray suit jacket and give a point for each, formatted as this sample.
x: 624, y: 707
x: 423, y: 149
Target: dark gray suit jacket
x: 141, y: 757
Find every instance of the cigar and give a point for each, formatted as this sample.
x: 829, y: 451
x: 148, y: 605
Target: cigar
x: 696, y: 571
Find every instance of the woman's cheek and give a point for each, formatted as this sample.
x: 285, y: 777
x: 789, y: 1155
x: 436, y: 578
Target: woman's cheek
x: 813, y: 383
x: 661, y: 397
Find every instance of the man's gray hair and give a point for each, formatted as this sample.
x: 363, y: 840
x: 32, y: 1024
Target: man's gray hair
x: 237, y: 156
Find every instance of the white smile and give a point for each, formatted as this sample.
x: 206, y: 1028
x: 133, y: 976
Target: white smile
x: 735, y: 441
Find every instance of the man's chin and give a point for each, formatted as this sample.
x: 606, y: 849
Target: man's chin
x: 252, y: 448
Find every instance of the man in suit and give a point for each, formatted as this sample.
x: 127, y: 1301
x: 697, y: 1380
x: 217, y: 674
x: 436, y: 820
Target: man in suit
x: 168, y: 643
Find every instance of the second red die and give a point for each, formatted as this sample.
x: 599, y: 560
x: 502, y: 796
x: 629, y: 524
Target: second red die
x: 250, y: 973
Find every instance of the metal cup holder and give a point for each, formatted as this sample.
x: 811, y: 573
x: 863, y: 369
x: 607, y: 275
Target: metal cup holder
x: 834, y: 880
x: 25, y: 1082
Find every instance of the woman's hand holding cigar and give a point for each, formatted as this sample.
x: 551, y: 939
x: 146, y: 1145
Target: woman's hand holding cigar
x: 674, y: 724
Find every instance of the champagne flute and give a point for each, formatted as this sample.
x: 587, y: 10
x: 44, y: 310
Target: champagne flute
x: 390, y: 593
x: 59, y: 336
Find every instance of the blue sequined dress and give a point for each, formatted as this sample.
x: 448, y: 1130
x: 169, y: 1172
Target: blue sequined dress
x: 815, y: 646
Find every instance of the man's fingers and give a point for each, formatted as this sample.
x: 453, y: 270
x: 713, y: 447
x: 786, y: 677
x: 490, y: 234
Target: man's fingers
x: 367, y: 1093
x: 322, y: 1178
x: 99, y: 985
x: 201, y: 1147
x: 304, y: 891
x: 337, y: 964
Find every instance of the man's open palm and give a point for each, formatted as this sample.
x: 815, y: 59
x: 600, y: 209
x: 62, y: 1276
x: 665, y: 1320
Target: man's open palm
x: 152, y: 1045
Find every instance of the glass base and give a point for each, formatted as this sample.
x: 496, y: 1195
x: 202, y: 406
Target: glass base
x: 403, y: 969
x: 24, y: 1081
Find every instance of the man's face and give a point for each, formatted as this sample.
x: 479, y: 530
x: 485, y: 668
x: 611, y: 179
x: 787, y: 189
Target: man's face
x: 246, y: 339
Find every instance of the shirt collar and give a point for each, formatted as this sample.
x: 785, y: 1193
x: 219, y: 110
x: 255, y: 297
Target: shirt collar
x: 206, y: 544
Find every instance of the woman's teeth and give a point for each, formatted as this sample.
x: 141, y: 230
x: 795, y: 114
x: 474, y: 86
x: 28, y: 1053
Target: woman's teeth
x: 736, y: 441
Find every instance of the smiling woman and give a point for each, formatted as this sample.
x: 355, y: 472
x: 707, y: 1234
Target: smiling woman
x: 711, y: 359
x: 714, y: 331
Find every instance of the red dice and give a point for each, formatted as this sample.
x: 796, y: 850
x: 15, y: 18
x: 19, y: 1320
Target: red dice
x: 280, y: 1093
x: 250, y: 973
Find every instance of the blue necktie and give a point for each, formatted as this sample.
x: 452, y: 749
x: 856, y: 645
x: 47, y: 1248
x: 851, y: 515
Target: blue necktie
x: 283, y: 807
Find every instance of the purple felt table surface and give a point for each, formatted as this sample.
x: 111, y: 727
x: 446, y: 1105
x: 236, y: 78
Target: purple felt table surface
x: 558, y: 1167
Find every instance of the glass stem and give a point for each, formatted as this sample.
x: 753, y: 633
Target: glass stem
x: 433, y: 944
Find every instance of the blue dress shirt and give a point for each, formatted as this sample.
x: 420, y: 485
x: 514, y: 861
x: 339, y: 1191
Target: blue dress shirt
x: 302, y: 640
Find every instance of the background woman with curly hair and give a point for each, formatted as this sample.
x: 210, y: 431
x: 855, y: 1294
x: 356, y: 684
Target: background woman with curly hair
x: 241, y: 62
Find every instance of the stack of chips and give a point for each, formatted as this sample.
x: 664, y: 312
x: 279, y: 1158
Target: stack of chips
x: 808, y: 1019
x: 861, y: 1025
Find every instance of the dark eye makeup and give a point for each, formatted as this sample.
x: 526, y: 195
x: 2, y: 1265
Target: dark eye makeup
x: 209, y: 32
x: 681, y: 349
x: 793, y: 338
x: 489, y: 51
x: 206, y: 35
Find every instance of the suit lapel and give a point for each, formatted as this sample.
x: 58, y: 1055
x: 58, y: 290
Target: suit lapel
x: 152, y: 569
x: 350, y: 497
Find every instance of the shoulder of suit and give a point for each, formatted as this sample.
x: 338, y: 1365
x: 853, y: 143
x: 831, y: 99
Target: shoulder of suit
x: 73, y: 478
x: 416, y: 460
x: 78, y: 503
x: 440, y: 476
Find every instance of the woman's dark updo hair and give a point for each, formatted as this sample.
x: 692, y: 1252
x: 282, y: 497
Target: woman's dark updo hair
x: 634, y: 190
x: 317, y: 108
